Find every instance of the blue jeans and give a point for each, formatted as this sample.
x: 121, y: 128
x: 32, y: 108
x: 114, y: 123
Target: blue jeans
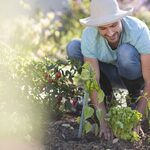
x: 127, y: 73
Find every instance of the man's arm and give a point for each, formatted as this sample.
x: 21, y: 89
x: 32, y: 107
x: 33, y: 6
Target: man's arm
x: 104, y: 130
x: 145, y: 63
x: 142, y: 104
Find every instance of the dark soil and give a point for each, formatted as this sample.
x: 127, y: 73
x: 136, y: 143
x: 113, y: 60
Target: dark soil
x: 62, y: 135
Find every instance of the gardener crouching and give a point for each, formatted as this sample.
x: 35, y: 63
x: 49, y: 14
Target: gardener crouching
x: 118, y: 48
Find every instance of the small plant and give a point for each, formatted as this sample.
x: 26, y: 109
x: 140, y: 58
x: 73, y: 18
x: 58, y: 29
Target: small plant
x: 122, y: 121
x: 87, y: 80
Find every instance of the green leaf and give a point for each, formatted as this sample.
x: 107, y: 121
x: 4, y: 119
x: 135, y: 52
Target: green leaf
x: 87, y: 127
x: 96, y: 129
x: 88, y: 112
x: 149, y: 104
x: 68, y: 105
x: 67, y: 73
x: 78, y: 120
x: 120, y: 124
x: 88, y: 85
x: 99, y: 114
x: 100, y: 95
x: 87, y: 72
x: 136, y: 137
x: 122, y: 121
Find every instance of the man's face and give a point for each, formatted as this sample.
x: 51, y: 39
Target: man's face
x: 111, y: 32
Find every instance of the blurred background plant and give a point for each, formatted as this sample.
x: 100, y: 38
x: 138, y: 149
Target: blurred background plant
x: 46, y: 34
x: 35, y: 87
x: 32, y: 56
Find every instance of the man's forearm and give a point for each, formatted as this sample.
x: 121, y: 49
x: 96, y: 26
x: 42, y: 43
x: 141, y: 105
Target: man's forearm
x: 143, y: 102
x: 142, y: 105
x: 98, y: 105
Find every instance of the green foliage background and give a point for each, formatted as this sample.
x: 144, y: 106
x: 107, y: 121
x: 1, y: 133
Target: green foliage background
x: 34, y: 43
x: 47, y: 34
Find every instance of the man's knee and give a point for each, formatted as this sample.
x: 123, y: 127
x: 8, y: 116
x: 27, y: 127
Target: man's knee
x: 126, y: 54
x: 74, y: 49
x: 128, y: 62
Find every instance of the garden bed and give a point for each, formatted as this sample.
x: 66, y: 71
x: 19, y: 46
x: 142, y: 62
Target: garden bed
x: 62, y: 135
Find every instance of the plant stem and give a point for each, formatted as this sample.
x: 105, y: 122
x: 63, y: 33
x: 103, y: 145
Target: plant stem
x: 84, y: 100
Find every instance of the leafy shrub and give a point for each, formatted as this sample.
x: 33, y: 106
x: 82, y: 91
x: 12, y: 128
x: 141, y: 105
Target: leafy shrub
x: 38, y: 88
x: 122, y: 121
x: 46, y: 34
x: 89, y: 84
x: 33, y: 91
x: 48, y: 82
x: 145, y: 17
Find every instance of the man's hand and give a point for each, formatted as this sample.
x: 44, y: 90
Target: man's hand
x: 139, y: 130
x: 105, y: 130
x: 141, y: 107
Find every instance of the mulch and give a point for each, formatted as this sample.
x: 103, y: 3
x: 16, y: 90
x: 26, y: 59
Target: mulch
x: 62, y: 135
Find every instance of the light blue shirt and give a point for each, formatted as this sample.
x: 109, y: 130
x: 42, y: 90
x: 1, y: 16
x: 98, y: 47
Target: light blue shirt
x: 135, y: 32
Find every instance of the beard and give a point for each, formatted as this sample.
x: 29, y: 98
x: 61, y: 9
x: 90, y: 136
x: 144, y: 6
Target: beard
x: 113, y: 41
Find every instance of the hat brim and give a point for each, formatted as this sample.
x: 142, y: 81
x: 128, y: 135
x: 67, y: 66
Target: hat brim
x: 89, y: 21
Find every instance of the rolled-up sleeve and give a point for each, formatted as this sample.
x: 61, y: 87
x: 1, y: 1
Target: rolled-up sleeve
x: 88, y: 42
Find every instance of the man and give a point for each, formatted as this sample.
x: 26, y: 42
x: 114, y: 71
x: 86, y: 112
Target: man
x: 118, y: 48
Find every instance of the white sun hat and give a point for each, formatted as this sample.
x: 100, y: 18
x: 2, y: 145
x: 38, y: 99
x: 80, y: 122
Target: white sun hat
x: 104, y: 12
